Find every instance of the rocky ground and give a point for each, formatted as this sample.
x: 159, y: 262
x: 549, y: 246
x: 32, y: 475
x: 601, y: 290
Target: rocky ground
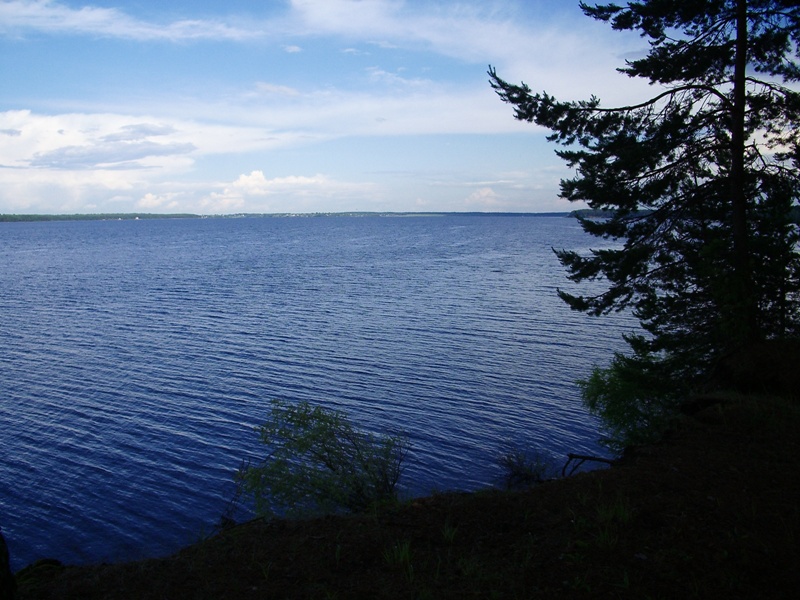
x: 711, y: 512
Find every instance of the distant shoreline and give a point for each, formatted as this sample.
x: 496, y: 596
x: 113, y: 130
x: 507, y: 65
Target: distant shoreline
x: 18, y: 218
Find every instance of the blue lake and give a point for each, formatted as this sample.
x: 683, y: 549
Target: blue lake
x: 136, y: 357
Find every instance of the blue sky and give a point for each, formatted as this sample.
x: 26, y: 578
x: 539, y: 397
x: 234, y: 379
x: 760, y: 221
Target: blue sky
x: 213, y: 107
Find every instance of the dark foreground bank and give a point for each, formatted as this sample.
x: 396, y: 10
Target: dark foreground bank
x: 712, y: 511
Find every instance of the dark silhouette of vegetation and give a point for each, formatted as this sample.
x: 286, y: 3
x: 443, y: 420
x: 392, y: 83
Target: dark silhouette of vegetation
x: 524, y: 468
x: 319, y: 463
x: 8, y: 585
x: 699, y: 186
x: 711, y: 512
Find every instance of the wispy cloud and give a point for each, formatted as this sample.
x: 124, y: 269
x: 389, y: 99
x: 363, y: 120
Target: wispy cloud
x: 138, y: 131
x: 264, y: 89
x: 106, y: 140
x: 20, y: 16
x: 108, y: 155
x: 550, y: 50
x: 288, y: 81
x: 478, y: 33
x: 395, y: 79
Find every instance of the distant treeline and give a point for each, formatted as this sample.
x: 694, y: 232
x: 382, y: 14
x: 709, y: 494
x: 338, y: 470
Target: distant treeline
x: 398, y: 214
x: 584, y: 213
x: 133, y: 216
x: 95, y: 217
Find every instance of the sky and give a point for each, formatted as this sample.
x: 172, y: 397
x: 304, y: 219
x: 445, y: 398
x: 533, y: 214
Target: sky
x: 290, y: 106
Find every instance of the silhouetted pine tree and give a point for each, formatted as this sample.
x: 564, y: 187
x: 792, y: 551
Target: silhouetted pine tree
x: 700, y: 183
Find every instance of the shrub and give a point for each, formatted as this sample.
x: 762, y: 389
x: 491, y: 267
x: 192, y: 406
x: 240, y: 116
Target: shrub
x: 319, y: 463
x: 634, y: 398
x: 523, y: 468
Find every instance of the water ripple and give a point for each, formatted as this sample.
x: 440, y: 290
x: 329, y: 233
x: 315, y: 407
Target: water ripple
x: 137, y: 358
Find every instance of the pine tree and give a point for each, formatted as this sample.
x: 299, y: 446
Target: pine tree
x: 699, y: 184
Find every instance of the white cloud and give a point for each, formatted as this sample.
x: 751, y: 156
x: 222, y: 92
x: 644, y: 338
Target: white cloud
x: 254, y: 184
x: 157, y: 150
x: 150, y: 201
x: 139, y: 131
x: 108, y: 155
x: 347, y: 17
x: 270, y: 89
x: 119, y: 141
x: 117, y: 162
x: 86, y: 142
x: 483, y: 198
x: 295, y: 193
x: 379, y: 75
x: 53, y: 17
x: 77, y: 161
x: 62, y: 191
x: 405, y: 107
x: 550, y: 52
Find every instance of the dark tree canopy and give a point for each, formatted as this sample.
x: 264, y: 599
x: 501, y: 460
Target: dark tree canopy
x: 700, y: 181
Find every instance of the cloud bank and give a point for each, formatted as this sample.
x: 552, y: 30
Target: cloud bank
x: 282, y: 101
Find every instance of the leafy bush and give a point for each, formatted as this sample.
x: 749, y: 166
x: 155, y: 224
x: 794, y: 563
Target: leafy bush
x: 318, y: 463
x: 634, y: 398
x: 523, y: 468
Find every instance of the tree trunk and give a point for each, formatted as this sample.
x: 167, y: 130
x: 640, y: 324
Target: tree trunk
x: 743, y: 310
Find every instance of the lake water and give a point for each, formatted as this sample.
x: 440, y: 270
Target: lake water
x: 136, y: 358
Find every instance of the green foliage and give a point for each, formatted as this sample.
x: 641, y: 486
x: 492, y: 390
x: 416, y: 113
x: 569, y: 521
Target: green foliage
x: 632, y: 400
x: 318, y: 463
x: 399, y: 555
x: 698, y: 186
x: 524, y: 468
